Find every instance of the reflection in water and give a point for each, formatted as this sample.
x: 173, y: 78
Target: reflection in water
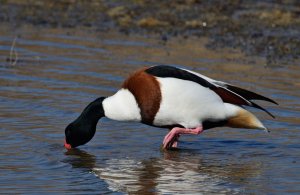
x: 178, y: 171
x: 82, y: 159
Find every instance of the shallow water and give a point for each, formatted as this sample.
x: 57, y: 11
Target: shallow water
x: 59, y: 71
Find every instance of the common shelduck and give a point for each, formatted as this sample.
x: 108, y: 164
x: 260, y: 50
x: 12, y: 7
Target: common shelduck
x: 181, y: 100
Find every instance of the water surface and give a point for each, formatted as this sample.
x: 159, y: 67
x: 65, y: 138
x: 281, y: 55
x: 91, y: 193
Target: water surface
x: 59, y: 71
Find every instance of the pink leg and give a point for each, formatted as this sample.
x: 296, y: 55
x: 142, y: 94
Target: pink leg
x: 171, y: 138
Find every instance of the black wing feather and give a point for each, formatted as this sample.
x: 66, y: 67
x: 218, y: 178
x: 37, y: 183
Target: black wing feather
x: 164, y: 71
x: 259, y: 107
x: 249, y: 95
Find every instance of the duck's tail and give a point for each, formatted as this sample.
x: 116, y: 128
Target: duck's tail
x: 241, y: 118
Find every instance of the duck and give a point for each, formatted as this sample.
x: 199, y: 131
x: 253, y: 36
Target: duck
x: 177, y: 99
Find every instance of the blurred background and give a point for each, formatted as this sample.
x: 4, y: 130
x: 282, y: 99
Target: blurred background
x: 268, y: 28
x: 57, y: 56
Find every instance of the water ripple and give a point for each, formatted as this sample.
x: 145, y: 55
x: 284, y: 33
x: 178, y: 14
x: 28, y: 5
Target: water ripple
x: 59, y: 73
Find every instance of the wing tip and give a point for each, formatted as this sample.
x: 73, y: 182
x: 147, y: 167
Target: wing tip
x: 268, y: 100
x: 249, y: 95
x: 274, y: 102
x: 261, y: 108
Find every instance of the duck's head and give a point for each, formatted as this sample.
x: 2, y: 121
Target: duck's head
x: 83, y: 129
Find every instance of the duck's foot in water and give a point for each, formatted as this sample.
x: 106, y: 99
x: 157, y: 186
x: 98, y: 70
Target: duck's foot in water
x: 171, y: 139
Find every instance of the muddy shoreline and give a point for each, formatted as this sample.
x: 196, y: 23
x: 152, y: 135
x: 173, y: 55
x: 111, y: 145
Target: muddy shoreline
x: 268, y: 29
